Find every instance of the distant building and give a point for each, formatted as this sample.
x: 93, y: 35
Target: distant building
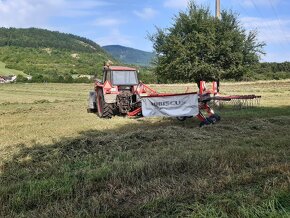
x: 8, y: 79
x: 85, y: 76
x: 2, y: 80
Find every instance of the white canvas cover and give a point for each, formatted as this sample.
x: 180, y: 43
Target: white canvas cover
x: 174, y: 105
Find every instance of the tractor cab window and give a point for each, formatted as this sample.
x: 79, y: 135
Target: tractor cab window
x: 124, y: 78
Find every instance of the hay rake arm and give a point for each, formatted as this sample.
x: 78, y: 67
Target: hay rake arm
x: 239, y: 101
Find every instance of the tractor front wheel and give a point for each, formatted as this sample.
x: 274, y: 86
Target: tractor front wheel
x: 182, y: 118
x: 105, y: 110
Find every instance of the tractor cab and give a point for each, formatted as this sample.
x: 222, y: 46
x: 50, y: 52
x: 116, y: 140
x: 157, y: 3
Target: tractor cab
x: 116, y: 93
x: 120, y: 78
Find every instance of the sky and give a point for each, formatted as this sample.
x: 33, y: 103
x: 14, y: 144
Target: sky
x: 128, y: 22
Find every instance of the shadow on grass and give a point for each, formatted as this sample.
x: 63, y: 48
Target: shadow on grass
x: 157, y: 168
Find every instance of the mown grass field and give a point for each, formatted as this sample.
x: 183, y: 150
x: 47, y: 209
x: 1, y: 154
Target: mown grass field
x: 58, y: 161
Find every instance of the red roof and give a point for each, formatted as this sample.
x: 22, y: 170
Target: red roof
x: 120, y: 68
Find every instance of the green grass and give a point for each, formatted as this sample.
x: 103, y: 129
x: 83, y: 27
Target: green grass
x: 7, y: 72
x: 57, y: 160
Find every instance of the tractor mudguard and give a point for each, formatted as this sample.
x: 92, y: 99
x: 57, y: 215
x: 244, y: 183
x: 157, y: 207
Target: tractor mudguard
x: 110, y: 98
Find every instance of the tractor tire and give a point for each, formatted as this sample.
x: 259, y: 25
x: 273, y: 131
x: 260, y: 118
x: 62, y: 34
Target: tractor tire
x: 181, y: 118
x: 214, y: 118
x: 105, y: 110
x: 205, y: 122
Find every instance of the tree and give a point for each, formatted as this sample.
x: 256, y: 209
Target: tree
x: 200, y: 47
x: 21, y: 78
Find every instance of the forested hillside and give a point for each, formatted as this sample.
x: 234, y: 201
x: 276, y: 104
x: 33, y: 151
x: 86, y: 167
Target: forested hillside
x: 35, y: 38
x: 130, y: 55
x: 43, y: 53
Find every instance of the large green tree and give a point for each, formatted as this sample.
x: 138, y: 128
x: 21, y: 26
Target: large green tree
x: 200, y: 47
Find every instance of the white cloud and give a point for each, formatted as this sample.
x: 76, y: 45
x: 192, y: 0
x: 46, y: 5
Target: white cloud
x: 280, y: 56
x: 27, y: 13
x: 114, y: 37
x: 80, y: 8
x: 251, y: 22
x: 179, y: 4
x: 107, y: 22
x: 23, y: 13
x: 146, y: 13
x: 269, y: 30
x: 260, y: 3
x: 276, y: 34
x: 86, y: 4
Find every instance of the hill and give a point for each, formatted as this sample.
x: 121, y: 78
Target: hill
x: 130, y: 55
x: 45, y: 53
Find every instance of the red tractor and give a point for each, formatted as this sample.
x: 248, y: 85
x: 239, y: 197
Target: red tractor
x: 116, y: 93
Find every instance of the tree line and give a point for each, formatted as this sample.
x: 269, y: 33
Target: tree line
x: 67, y: 78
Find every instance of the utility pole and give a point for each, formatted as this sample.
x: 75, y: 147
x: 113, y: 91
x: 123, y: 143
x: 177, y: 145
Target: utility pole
x: 217, y: 9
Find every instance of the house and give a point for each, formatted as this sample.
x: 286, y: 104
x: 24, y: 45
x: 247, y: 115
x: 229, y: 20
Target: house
x: 8, y: 79
x: 12, y: 79
x: 2, y: 80
x: 85, y: 76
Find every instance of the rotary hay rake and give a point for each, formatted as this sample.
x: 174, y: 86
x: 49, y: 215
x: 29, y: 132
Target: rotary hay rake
x: 207, y: 99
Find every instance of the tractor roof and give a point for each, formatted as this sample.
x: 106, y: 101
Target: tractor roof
x: 121, y: 68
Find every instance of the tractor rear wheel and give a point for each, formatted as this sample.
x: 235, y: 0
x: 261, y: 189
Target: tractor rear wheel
x: 105, y: 110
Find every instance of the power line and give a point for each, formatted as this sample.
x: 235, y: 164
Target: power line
x: 279, y: 20
x: 244, y: 9
x: 267, y: 25
x: 257, y: 27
